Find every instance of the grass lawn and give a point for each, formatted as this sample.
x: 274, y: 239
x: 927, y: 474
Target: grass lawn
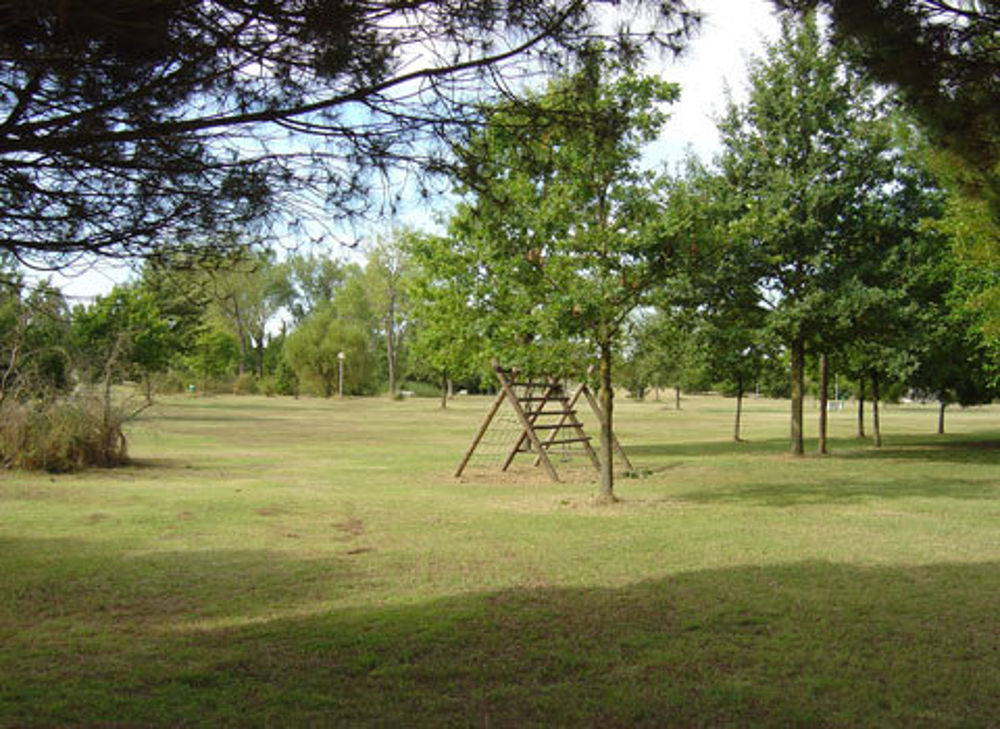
x: 281, y: 562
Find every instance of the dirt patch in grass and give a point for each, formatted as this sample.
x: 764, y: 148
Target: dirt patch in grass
x: 351, y: 527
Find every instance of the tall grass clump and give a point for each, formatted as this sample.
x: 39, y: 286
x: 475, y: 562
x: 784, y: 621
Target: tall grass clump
x: 62, y: 434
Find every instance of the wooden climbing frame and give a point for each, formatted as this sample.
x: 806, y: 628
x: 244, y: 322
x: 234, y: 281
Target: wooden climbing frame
x: 547, y: 418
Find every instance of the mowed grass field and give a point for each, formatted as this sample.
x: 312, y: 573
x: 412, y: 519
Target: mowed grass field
x: 279, y: 562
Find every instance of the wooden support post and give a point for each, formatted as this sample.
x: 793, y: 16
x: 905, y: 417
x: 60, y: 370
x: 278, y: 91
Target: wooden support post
x: 596, y: 407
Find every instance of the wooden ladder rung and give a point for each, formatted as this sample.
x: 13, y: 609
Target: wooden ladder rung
x: 533, y: 398
x: 553, y: 426
x: 554, y: 412
x: 560, y: 441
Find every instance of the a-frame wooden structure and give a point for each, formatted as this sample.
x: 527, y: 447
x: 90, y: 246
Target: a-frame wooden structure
x: 547, y: 418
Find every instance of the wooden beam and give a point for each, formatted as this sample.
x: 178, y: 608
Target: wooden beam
x: 481, y: 432
x: 528, y: 431
x: 596, y: 407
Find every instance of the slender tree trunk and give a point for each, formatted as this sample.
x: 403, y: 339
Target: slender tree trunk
x: 677, y: 397
x: 861, y: 407
x: 739, y: 409
x: 824, y: 382
x: 241, y: 337
x: 941, y: 406
x: 444, y: 389
x: 607, y: 493
x: 656, y: 393
x: 258, y: 346
x: 876, y: 425
x: 390, y: 347
x: 798, y: 391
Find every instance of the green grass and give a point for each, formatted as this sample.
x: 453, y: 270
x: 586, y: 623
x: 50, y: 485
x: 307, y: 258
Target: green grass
x: 281, y: 562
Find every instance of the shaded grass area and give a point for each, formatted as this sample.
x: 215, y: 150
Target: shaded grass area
x: 809, y: 643
x: 272, y: 562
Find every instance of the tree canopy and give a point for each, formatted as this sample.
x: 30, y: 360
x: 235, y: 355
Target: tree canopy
x: 567, y: 234
x: 944, y: 58
x: 131, y: 128
x: 810, y: 161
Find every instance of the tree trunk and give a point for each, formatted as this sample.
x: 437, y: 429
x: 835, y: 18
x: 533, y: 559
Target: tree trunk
x: 876, y: 426
x: 241, y: 337
x: 941, y: 406
x: 390, y: 348
x: 677, y: 397
x: 444, y: 389
x: 798, y: 391
x: 861, y: 407
x: 739, y: 409
x: 824, y: 382
x: 258, y: 346
x: 607, y: 493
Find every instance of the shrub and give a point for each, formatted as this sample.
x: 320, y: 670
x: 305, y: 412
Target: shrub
x: 171, y: 382
x: 245, y: 384
x: 63, y: 434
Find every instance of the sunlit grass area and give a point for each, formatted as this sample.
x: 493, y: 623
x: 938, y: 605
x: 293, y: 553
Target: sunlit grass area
x: 310, y: 562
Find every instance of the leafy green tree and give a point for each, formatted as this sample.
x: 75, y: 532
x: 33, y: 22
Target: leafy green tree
x: 567, y: 236
x: 803, y: 155
x: 35, y: 357
x: 944, y: 60
x: 122, y: 334
x: 661, y: 350
x: 214, y: 355
x: 447, y: 341
x: 385, y: 280
x: 953, y: 369
x: 314, y: 347
x: 178, y: 290
x: 245, y: 296
x: 737, y: 351
x: 314, y: 280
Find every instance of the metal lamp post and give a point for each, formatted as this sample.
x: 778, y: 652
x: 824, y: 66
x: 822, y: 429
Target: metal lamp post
x: 340, y: 373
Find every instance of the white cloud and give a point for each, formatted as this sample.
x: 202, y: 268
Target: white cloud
x: 732, y: 32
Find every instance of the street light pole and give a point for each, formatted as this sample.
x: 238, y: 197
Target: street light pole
x: 340, y: 374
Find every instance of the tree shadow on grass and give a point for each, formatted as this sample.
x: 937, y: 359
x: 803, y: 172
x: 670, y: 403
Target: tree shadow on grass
x: 981, y: 449
x: 807, y: 644
x: 815, y: 479
x: 699, y: 449
x: 785, y: 493
x: 978, y: 448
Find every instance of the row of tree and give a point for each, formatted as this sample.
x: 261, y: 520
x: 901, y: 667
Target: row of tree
x: 250, y: 324
x: 820, y: 231
x: 827, y: 229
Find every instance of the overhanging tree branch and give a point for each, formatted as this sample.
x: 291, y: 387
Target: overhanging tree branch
x: 177, y: 120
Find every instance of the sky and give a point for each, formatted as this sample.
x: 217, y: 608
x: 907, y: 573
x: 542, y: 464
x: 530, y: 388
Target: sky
x: 732, y: 31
